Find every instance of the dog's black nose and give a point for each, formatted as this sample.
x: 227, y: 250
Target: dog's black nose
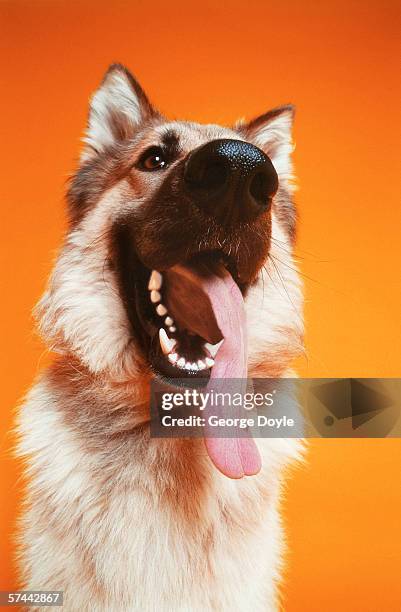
x: 231, y: 180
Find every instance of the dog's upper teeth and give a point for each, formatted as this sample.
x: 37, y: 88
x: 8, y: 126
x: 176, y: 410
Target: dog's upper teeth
x: 173, y: 357
x: 166, y: 343
x: 169, y: 321
x: 161, y: 310
x: 172, y: 329
x: 181, y: 362
x: 213, y: 348
x: 201, y: 365
x: 209, y: 362
x: 155, y: 296
x: 155, y: 281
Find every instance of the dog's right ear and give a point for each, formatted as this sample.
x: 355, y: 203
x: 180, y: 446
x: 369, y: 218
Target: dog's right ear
x: 116, y: 110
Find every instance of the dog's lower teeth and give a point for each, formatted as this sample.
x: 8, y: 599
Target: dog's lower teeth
x: 166, y: 343
x: 155, y: 296
x: 183, y: 364
x: 155, y: 281
x: 213, y: 348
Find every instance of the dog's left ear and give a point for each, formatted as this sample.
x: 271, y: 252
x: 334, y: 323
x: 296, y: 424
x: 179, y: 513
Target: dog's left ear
x: 116, y: 111
x: 272, y: 132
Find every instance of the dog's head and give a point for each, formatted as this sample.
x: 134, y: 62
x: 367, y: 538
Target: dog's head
x: 156, y: 205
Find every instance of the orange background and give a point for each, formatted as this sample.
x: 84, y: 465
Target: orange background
x: 215, y: 61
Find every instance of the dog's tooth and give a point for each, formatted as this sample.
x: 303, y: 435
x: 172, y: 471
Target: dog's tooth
x: 166, y: 343
x: 188, y: 366
x: 201, y: 365
x: 155, y: 281
x: 172, y: 357
x: 161, y: 310
x: 213, y: 348
x: 209, y: 362
x: 194, y: 367
x: 155, y: 296
x: 181, y: 362
x: 169, y: 321
x: 172, y: 329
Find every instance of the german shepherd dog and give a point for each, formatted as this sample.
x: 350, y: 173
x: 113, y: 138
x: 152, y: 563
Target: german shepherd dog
x: 177, y: 263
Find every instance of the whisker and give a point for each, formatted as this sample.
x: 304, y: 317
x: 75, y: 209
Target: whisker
x: 285, y: 289
x: 314, y: 280
x: 96, y: 240
x: 309, y: 253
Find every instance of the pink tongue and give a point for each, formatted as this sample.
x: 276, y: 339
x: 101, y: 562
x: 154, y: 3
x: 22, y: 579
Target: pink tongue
x: 234, y: 457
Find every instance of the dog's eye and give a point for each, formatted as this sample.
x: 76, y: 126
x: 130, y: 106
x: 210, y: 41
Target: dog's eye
x: 153, y: 159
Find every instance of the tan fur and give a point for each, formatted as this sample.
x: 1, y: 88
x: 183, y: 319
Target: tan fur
x: 117, y: 520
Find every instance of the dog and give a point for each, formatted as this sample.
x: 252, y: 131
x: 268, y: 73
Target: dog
x: 115, y: 518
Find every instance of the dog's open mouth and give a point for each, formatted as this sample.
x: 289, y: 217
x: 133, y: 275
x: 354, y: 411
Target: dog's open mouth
x: 185, y: 298
x: 174, y: 311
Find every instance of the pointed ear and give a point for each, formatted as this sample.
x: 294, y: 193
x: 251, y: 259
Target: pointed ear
x: 272, y: 132
x: 116, y: 110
